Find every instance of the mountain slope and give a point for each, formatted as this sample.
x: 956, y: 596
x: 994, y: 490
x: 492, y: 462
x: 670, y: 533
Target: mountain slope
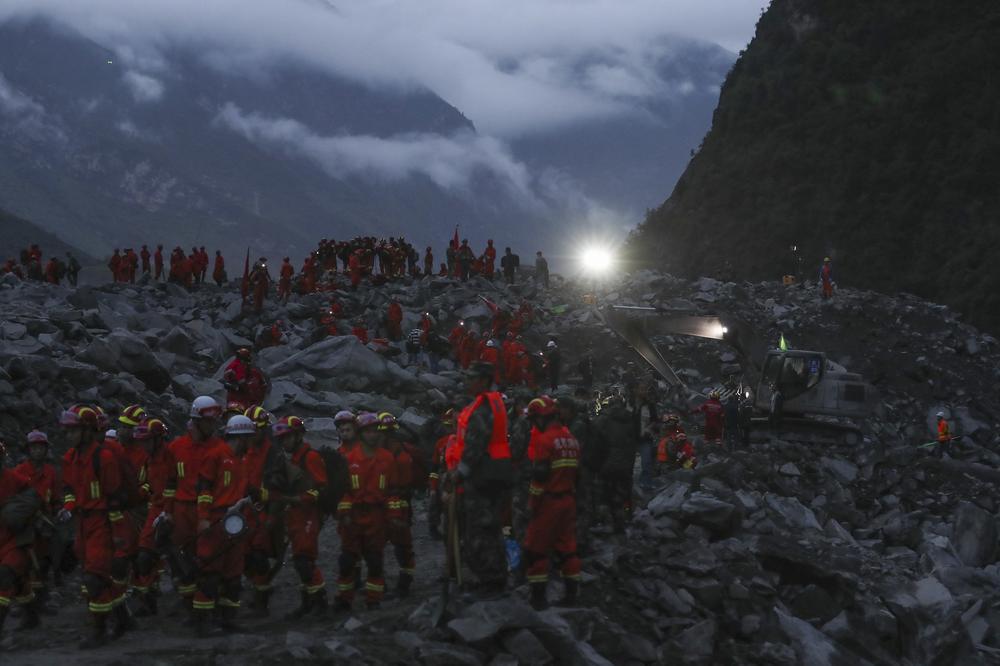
x: 866, y: 131
x: 19, y: 234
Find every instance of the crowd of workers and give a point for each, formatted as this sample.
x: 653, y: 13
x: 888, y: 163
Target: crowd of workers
x: 52, y: 271
x: 225, y: 501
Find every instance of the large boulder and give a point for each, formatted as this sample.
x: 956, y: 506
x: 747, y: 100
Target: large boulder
x: 122, y: 351
x: 974, y: 535
x: 348, y: 363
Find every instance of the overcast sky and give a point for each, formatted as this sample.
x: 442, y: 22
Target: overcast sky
x: 506, y: 64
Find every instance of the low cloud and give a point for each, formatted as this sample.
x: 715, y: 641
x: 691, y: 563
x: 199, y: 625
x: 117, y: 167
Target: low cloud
x: 24, y: 113
x: 512, y: 66
x: 451, y: 162
x: 143, y: 88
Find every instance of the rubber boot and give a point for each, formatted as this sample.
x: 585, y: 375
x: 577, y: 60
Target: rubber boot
x: 571, y: 594
x: 202, y: 623
x: 303, y: 609
x: 320, y: 606
x: 342, y: 605
x: 3, y: 617
x: 29, y: 618
x: 123, y: 620
x: 403, y: 586
x: 98, y: 632
x: 539, y: 600
x: 227, y: 619
x: 42, y: 599
x: 261, y: 598
x: 147, y: 605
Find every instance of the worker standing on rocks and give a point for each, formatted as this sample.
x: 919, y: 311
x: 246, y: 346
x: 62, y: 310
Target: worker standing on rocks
x: 43, y: 478
x: 943, y: 436
x: 15, y: 558
x: 714, y: 418
x: 160, y: 465
x: 189, y: 452
x: 89, y: 485
x: 616, y: 428
x: 267, y: 529
x: 394, y: 320
x: 826, y: 278
x: 437, y: 470
x: 486, y: 475
x: 303, y: 519
x: 399, y: 530
x: 222, y: 486
x: 363, y: 513
x: 245, y: 383
x: 555, y: 462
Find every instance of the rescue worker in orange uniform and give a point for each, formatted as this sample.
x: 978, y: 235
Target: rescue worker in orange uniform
x: 133, y: 497
x: 158, y: 263
x: 489, y: 259
x: 944, y: 438
x: 219, y: 268
x: 114, y: 265
x: 15, y: 559
x: 437, y: 470
x: 43, y: 478
x: 715, y: 417
x: 363, y: 513
x: 90, y: 478
x: 670, y: 427
x: 244, y: 381
x: 285, y: 276
x: 261, y: 463
x: 303, y: 519
x: 399, y: 531
x: 457, y: 338
x: 555, y: 463
x: 222, y: 489
x: 354, y: 267
x: 470, y: 350
x: 189, y: 452
x: 826, y: 278
x: 151, y: 434
x: 394, y: 321
x: 347, y: 428
x: 486, y: 475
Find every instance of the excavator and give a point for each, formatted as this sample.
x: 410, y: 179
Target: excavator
x: 802, y: 394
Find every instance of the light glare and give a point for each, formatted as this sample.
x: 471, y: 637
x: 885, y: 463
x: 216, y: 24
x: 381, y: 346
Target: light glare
x: 596, y: 260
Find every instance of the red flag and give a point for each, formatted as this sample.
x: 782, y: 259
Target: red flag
x: 246, y: 277
x: 454, y: 242
x: 494, y: 308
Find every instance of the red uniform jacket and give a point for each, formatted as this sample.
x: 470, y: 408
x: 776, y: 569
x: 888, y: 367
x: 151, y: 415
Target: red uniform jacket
x: 370, y: 479
x: 188, y: 458
x: 555, y: 457
x: 87, y: 484
x: 221, y: 481
x: 12, y: 483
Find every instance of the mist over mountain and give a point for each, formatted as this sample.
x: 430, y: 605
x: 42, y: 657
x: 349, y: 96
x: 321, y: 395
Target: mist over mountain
x: 113, y: 140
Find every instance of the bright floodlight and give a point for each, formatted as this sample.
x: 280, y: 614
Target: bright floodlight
x: 596, y: 260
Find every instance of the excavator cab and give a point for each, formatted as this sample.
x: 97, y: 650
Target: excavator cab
x: 806, y: 382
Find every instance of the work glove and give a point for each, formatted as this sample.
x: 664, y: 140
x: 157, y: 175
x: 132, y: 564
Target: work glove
x: 64, y: 516
x: 164, y: 517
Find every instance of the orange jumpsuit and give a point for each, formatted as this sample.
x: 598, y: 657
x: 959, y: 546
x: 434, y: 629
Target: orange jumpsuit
x: 555, y: 457
x: 188, y: 456
x: 362, y: 513
x: 16, y: 587
x: 43, y: 480
x: 400, y: 532
x: 89, y: 483
x: 305, y: 519
x: 159, y: 468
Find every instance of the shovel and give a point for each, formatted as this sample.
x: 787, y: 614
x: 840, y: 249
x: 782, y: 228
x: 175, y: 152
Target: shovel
x: 453, y: 562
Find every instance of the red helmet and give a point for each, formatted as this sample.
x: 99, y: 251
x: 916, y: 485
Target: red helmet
x: 260, y: 417
x: 543, y: 406
x: 243, y: 353
x: 366, y: 420
x: 79, y: 416
x: 288, y: 425
x: 132, y: 415
x: 150, y: 428
x: 103, y: 421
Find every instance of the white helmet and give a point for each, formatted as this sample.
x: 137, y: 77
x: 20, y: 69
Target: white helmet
x: 111, y: 434
x: 940, y: 415
x: 205, y: 407
x: 240, y: 425
x: 491, y: 343
x: 551, y: 345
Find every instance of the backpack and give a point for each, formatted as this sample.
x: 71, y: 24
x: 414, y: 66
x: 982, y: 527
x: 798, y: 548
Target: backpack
x: 336, y: 480
x: 129, y: 493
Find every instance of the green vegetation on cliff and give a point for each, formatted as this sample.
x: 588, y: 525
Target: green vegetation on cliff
x: 865, y: 130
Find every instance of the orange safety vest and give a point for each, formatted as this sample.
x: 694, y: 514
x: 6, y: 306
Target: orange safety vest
x: 944, y: 434
x: 499, y: 447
